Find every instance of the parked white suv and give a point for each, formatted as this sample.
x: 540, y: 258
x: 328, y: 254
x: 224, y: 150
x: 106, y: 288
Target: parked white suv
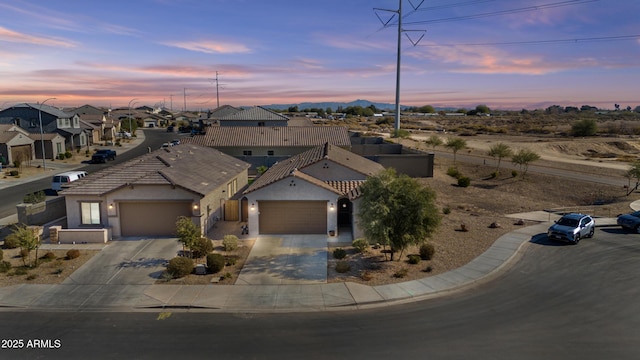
x: 572, y: 227
x: 62, y: 180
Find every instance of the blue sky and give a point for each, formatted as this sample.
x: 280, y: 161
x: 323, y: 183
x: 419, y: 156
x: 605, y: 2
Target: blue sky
x: 502, y: 53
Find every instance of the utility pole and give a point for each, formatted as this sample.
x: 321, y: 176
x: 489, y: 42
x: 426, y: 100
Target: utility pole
x: 217, y: 92
x: 184, y: 108
x: 399, y: 62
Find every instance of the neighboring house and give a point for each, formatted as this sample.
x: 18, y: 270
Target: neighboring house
x: 266, y: 145
x: 314, y: 192
x: 255, y: 116
x: 153, y: 120
x: 94, y: 132
x: 54, y: 120
x: 15, y: 144
x: 223, y: 111
x: 144, y: 196
x: 54, y: 144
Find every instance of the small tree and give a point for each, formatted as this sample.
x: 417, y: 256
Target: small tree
x: 397, y: 211
x: 499, y: 150
x: 586, y: 127
x: 29, y: 239
x: 188, y: 233
x: 433, y: 141
x: 523, y: 158
x: 633, y: 173
x: 455, y: 144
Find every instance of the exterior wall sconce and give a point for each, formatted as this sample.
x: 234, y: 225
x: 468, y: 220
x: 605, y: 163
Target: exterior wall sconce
x: 253, y: 206
x: 195, y: 206
x: 110, y: 206
x: 331, y: 207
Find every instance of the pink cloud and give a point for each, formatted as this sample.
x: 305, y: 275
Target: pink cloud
x: 210, y: 47
x: 16, y: 37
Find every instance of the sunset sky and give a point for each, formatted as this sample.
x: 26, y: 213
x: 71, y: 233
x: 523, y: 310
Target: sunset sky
x: 507, y: 54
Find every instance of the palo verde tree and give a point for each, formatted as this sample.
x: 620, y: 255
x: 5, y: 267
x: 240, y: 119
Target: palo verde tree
x: 188, y: 233
x: 397, y: 211
x: 523, y: 158
x: 433, y: 141
x: 455, y: 144
x: 499, y: 150
x: 29, y: 239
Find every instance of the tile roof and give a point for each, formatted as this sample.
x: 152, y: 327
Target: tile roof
x: 224, y: 110
x: 46, y: 109
x: 195, y: 168
x: 256, y: 113
x: 276, y: 136
x: 296, y: 164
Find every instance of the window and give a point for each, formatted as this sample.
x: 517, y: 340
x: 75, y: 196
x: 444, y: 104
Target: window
x: 66, y: 122
x: 270, y: 152
x: 261, y: 123
x: 90, y: 213
x: 33, y: 123
x: 247, y: 152
x: 59, y: 148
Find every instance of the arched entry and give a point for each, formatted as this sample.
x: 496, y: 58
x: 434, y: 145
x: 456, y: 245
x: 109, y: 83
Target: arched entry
x: 345, y: 213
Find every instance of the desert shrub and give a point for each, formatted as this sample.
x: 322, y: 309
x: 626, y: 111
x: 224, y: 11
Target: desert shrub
x: 428, y: 269
x: 180, y: 266
x: 5, y: 266
x: 215, y: 263
x: 339, y: 253
x: 514, y: 173
x: 68, y: 155
x: 32, y: 276
x: 230, y: 242
x: 14, y: 173
x: 20, y: 271
x: 61, y: 156
x: 426, y: 251
x: 228, y: 275
x: 464, y: 181
x: 413, y: 259
x: 17, y: 163
x: 34, y: 198
x: 24, y: 253
x: 342, y: 267
x: 201, y: 247
x: 446, y: 210
x: 73, y: 253
x: 231, y: 260
x: 494, y: 175
x: 400, y: 273
x: 453, y: 172
x: 361, y: 245
x: 48, y: 256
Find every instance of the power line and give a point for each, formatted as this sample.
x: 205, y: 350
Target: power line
x: 503, y: 12
x: 554, y: 41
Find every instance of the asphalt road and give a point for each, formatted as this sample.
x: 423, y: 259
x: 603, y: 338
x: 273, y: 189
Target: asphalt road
x: 14, y: 195
x: 557, y: 302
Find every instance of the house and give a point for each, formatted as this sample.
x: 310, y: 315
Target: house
x: 144, y: 196
x: 263, y: 146
x: 152, y: 120
x: 255, y: 116
x: 15, y: 144
x: 53, y: 120
x: 315, y: 192
x: 223, y: 111
x: 54, y: 145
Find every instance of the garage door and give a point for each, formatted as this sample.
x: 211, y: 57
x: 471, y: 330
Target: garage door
x: 293, y: 217
x: 151, y: 218
x: 21, y: 152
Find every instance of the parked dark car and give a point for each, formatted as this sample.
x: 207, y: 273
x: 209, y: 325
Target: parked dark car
x: 102, y: 155
x: 630, y: 221
x: 170, y: 128
x: 572, y: 227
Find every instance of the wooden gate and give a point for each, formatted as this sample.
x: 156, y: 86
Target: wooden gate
x: 231, y: 210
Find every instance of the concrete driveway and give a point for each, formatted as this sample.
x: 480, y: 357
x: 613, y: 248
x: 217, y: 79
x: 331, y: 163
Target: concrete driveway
x: 127, y: 262
x: 286, y: 259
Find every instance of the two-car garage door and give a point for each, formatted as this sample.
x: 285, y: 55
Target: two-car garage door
x: 293, y: 217
x: 151, y: 218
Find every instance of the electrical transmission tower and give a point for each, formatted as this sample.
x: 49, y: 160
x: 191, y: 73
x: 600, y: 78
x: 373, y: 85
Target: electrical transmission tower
x: 217, y: 89
x: 400, y: 31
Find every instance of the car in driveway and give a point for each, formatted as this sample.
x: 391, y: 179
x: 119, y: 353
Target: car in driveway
x: 572, y: 227
x: 630, y: 221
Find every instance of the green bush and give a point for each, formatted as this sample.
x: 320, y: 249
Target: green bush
x: 453, y: 172
x: 5, y: 266
x: 230, y: 242
x: 73, y: 253
x: 17, y: 163
x: 514, y: 173
x: 20, y: 271
x: 464, y: 181
x: 494, y: 175
x: 342, y: 267
x: 215, y: 263
x: 14, y: 172
x: 34, y: 198
x: 11, y: 242
x: 61, y: 156
x: 401, y: 273
x: 413, y: 259
x: 361, y: 245
x: 68, y: 155
x: 32, y: 277
x: 48, y: 256
x: 446, y: 210
x: 427, y: 251
x: 201, y: 248
x: 339, y: 253
x: 180, y: 266
x: 231, y: 260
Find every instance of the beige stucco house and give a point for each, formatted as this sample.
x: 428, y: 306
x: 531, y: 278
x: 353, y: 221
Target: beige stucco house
x: 144, y: 196
x: 314, y: 192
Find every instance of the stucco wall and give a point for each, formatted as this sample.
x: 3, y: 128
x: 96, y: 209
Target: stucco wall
x: 41, y: 213
x: 285, y: 190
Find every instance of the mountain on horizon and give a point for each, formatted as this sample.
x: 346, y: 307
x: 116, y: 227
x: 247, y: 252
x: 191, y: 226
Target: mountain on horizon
x: 334, y: 105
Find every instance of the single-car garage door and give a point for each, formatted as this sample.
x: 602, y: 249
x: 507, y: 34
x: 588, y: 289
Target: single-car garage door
x: 293, y: 217
x: 151, y: 218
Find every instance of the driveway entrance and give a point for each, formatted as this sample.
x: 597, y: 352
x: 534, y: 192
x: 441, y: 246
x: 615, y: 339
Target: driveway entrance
x: 286, y: 259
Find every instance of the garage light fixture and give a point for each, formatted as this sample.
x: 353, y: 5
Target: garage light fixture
x: 253, y: 206
x: 195, y: 206
x: 331, y: 206
x: 110, y: 206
